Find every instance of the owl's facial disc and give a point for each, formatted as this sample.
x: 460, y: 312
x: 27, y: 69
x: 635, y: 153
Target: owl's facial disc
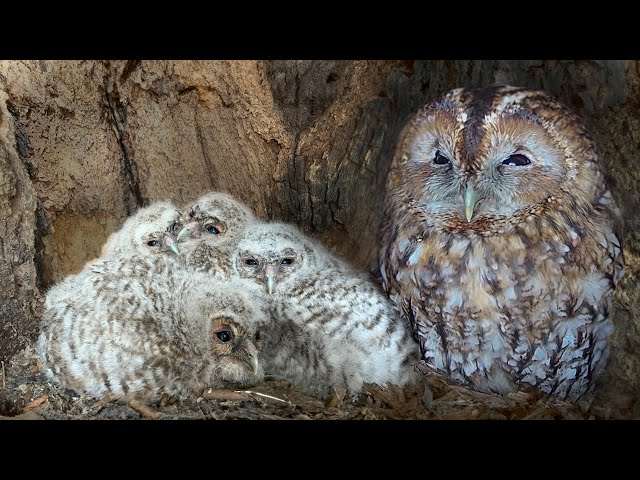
x: 463, y: 169
x: 232, y: 343
x: 160, y: 242
x: 278, y: 268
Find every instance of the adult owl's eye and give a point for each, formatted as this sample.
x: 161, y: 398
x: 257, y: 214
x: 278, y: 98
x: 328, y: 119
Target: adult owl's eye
x: 517, y: 160
x: 287, y: 261
x: 225, y: 336
x: 440, y: 159
x: 212, y: 229
x: 152, y: 243
x: 252, y: 262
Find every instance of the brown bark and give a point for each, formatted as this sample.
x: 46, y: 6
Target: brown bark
x: 301, y: 141
x: 18, y: 292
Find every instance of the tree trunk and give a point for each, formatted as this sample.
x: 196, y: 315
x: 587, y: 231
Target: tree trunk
x: 18, y: 292
x: 84, y: 144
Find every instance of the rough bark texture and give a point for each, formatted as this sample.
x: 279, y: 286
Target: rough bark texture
x: 86, y: 143
x: 18, y: 291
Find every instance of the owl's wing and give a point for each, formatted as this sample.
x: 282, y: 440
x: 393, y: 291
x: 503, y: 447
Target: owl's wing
x: 613, y: 246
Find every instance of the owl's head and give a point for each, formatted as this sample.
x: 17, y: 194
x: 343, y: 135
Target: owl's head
x: 145, y: 232
x: 477, y: 157
x: 206, y: 256
x: 276, y: 256
x: 214, y: 215
x: 223, y: 324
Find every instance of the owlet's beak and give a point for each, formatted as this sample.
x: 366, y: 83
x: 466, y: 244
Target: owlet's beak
x: 170, y: 241
x: 188, y: 230
x: 252, y: 356
x: 471, y: 198
x: 270, y: 273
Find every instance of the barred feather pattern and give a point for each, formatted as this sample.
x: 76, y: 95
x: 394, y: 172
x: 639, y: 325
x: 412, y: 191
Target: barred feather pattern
x: 520, y: 295
x: 353, y: 330
x: 143, y: 326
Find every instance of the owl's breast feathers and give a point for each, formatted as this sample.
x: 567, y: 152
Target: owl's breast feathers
x: 532, y: 294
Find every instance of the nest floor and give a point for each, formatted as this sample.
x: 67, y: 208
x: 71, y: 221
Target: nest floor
x: 25, y: 394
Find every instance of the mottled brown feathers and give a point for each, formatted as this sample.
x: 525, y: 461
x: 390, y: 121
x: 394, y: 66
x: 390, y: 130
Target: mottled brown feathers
x: 503, y: 256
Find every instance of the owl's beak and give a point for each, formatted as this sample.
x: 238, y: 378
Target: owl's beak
x: 252, y: 353
x: 170, y: 241
x: 270, y: 273
x: 187, y: 230
x: 471, y: 198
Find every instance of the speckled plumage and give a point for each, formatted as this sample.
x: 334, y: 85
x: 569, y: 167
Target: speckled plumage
x: 144, y: 232
x: 352, y: 328
x: 505, y: 269
x: 139, y: 327
x: 214, y: 215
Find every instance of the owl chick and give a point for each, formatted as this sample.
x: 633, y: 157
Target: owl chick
x: 350, y: 324
x: 502, y: 243
x: 204, y: 255
x: 143, y: 326
x: 214, y: 215
x: 144, y: 232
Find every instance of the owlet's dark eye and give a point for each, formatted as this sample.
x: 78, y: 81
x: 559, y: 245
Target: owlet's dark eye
x: 517, y: 160
x: 440, y: 159
x: 212, y: 229
x: 225, y: 336
x: 287, y: 261
x: 252, y: 262
x: 152, y: 243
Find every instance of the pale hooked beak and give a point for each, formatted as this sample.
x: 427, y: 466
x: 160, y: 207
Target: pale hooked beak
x: 187, y: 230
x: 252, y: 352
x: 170, y: 241
x: 270, y: 273
x: 471, y: 198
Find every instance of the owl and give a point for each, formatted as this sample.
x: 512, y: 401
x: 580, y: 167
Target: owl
x: 140, y: 327
x: 144, y: 232
x: 347, y: 322
x: 502, y: 243
x: 214, y: 215
x: 206, y: 257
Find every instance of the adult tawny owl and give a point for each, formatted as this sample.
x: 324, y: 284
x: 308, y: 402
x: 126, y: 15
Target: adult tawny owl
x: 345, y: 319
x: 142, y: 326
x: 146, y: 231
x: 502, y: 243
x: 214, y: 215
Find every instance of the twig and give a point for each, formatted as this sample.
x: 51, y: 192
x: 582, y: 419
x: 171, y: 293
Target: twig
x: 224, y: 394
x: 251, y: 392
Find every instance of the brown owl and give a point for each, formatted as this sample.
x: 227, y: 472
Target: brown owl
x: 502, y: 243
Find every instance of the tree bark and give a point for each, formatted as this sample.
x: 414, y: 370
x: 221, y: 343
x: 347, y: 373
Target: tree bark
x: 18, y: 291
x: 86, y: 143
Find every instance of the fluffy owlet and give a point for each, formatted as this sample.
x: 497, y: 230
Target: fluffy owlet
x: 502, y: 243
x: 142, y: 326
x: 146, y: 231
x: 213, y: 215
x: 346, y: 320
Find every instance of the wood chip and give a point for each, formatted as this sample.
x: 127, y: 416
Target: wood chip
x: 336, y: 400
x: 38, y: 401
x: 37, y: 367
